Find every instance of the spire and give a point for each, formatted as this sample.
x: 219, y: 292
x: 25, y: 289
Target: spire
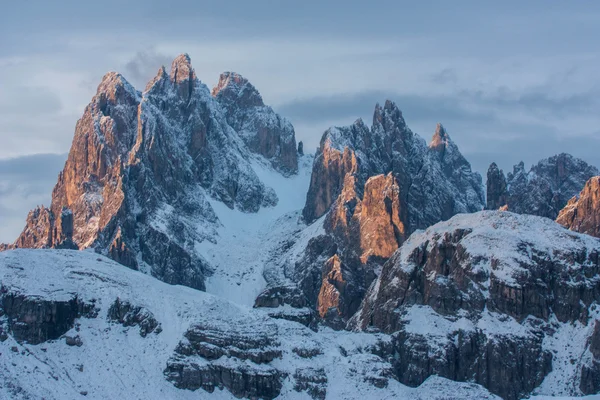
x: 181, y: 69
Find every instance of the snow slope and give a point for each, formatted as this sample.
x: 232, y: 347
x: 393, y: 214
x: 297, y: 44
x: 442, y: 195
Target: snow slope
x: 245, y: 241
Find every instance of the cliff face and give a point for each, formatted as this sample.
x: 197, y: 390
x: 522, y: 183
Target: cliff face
x: 582, y: 212
x: 143, y: 165
x: 542, y: 191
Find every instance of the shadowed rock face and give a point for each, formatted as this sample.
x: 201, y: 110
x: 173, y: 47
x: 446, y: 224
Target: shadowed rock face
x: 141, y: 166
x: 448, y: 290
x: 34, y: 320
x: 582, y: 213
x: 542, y: 191
x: 263, y: 131
x: 376, y: 186
x: 497, y: 194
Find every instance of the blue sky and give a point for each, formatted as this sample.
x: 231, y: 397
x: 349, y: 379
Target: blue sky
x: 509, y: 80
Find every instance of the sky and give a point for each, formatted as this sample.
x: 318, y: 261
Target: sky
x: 509, y: 80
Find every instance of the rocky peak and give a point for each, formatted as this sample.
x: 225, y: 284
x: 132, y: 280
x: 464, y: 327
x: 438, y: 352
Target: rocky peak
x: 582, y: 212
x: 543, y: 190
x: 388, y: 116
x: 377, y: 186
x: 233, y: 87
x: 263, y: 131
x: 181, y: 69
x: 440, y: 138
x: 158, y: 80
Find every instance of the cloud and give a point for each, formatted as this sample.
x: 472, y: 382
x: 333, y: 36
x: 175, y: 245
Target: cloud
x: 24, y: 183
x: 144, y: 66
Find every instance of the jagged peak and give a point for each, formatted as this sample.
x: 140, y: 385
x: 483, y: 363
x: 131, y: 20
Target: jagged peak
x: 235, y: 87
x: 181, y: 69
x: 389, y: 112
x: 112, y: 82
x: 440, y: 138
x: 493, y: 168
x: 161, y: 76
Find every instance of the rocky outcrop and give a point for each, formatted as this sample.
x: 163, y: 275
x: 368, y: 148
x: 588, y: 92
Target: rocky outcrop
x: 477, y: 291
x: 582, y: 212
x: 247, y: 373
x: 263, y: 131
x: 542, y: 191
x: 142, y: 166
x: 34, y: 320
x: 497, y: 192
x: 127, y: 315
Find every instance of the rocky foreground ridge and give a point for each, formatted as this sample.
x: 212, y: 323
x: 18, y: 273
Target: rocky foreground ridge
x: 447, y: 308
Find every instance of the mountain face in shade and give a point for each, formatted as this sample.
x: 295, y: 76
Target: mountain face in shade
x: 144, y: 166
x: 370, y: 189
x: 263, y: 131
x: 582, y: 212
x: 542, y: 191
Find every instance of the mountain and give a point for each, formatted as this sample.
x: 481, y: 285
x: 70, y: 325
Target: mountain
x: 191, y: 247
x: 144, y: 168
x: 370, y: 188
x: 582, y: 212
x: 542, y: 191
x: 504, y: 300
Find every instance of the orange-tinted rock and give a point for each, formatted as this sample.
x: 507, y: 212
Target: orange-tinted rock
x: 381, y: 229
x: 332, y: 288
x: 582, y: 213
x: 329, y: 171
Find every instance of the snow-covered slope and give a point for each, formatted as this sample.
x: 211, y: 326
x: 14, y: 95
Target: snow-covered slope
x: 109, y: 360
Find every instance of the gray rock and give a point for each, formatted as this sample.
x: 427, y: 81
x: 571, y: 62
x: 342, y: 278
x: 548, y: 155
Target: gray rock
x: 127, y: 314
x: 542, y: 191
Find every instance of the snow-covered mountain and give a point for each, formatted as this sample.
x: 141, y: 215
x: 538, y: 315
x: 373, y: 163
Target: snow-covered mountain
x: 367, y: 270
x: 144, y: 168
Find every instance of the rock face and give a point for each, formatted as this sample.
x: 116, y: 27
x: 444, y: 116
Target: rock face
x: 582, y: 213
x: 34, y: 320
x: 263, y: 131
x: 142, y: 166
x: 480, y: 291
x: 247, y: 372
x: 374, y: 187
x: 127, y: 314
x: 542, y: 191
x: 497, y: 193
